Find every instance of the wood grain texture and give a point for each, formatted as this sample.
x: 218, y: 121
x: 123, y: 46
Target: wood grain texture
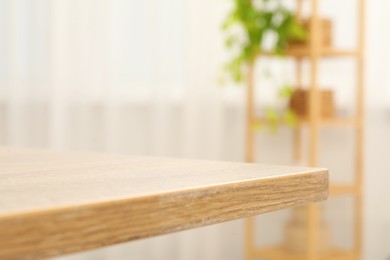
x: 54, y: 203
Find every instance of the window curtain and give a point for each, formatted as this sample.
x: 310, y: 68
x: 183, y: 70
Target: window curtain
x: 136, y: 77
x: 121, y: 76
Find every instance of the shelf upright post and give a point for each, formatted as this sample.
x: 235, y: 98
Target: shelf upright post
x: 298, y: 127
x: 298, y: 77
x: 359, y: 131
x: 249, y: 153
x: 250, y: 115
x: 314, y: 105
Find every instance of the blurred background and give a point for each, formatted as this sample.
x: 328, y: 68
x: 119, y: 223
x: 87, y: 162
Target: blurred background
x: 143, y: 77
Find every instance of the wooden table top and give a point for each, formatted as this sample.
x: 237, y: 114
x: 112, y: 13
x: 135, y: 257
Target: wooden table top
x: 56, y: 202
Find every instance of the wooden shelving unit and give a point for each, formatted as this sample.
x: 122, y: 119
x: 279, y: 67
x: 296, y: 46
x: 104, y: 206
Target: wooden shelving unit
x: 314, y: 52
x: 323, y: 122
x: 278, y: 253
x: 325, y: 52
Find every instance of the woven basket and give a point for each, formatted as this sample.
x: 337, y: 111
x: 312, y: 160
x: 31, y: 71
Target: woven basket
x: 299, y: 103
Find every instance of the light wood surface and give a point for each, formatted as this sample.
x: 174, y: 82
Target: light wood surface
x: 54, y: 202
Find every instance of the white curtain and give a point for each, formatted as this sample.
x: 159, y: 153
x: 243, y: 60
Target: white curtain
x: 140, y: 77
x: 123, y: 76
x: 117, y: 75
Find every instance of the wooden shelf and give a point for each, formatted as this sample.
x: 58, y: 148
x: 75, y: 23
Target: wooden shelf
x: 334, y: 122
x: 300, y: 52
x: 342, y: 189
x: 311, y: 54
x: 280, y: 253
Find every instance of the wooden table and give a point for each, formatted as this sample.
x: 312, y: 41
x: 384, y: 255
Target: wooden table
x: 55, y: 202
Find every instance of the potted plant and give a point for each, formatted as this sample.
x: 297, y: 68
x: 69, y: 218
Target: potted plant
x: 249, y: 26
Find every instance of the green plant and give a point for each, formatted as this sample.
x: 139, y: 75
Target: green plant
x: 248, y: 27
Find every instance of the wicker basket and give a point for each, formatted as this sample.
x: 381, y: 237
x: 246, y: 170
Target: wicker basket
x: 299, y: 103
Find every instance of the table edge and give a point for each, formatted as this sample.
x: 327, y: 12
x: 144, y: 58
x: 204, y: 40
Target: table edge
x: 54, y: 232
